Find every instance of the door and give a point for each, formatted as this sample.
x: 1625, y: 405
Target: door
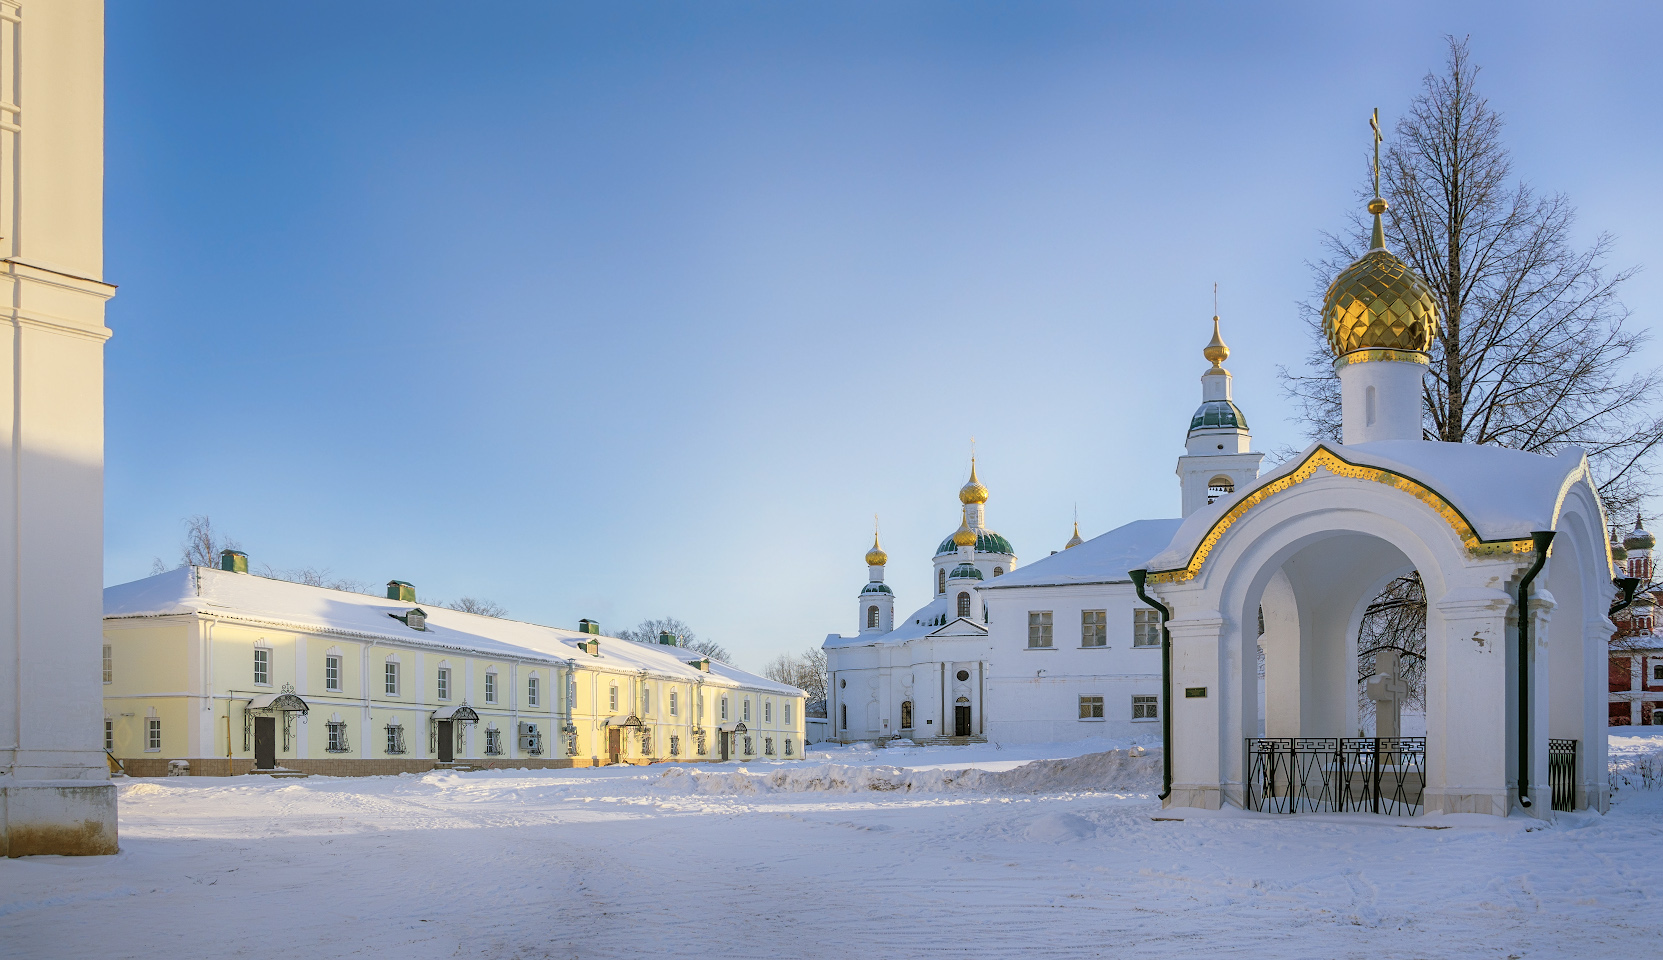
x: 961, y: 720
x: 722, y: 738
x: 447, y: 742
x: 265, y: 743
x: 614, y: 744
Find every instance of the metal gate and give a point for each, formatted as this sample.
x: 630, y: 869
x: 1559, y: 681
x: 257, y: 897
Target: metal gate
x: 1562, y: 773
x: 1330, y: 774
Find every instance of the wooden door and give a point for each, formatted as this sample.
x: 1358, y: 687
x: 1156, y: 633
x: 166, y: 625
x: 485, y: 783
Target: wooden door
x: 614, y: 744
x: 265, y: 743
x: 723, y: 739
x: 447, y: 741
x: 961, y: 720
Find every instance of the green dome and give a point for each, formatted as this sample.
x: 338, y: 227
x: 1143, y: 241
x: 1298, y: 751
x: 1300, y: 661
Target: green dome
x: 877, y: 588
x: 986, y: 542
x: 1218, y: 414
x: 964, y: 571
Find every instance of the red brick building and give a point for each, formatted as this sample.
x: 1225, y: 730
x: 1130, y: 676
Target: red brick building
x: 1636, y: 665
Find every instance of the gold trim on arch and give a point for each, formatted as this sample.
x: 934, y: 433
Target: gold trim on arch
x: 1326, y: 459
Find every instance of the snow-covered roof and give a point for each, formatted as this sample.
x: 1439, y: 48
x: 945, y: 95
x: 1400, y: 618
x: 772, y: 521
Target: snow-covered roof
x: 1504, y: 494
x: 920, y: 623
x: 242, y: 596
x: 1102, y: 559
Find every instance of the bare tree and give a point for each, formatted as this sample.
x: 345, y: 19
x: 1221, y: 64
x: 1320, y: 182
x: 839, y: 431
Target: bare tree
x: 1532, y: 349
x: 485, y: 608
x: 317, y: 577
x: 806, y: 671
x: 202, y: 544
x: 1395, y: 621
x: 648, y: 632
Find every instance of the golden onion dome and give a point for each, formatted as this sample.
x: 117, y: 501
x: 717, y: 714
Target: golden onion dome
x: 972, y: 492
x: 1378, y: 303
x: 1075, y: 540
x: 1216, y: 352
x: 875, y: 557
x: 964, y: 536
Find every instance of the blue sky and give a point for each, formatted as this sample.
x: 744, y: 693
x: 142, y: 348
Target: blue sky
x: 633, y: 310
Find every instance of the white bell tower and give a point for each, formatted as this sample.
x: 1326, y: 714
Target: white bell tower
x: 1218, y: 460
x: 877, y: 601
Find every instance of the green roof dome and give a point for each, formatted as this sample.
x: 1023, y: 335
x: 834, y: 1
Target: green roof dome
x: 1218, y: 414
x: 964, y: 571
x: 876, y: 588
x: 986, y: 542
x: 1638, y: 538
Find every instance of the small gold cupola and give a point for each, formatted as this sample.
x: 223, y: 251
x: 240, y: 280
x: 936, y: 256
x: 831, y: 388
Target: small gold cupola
x: 964, y: 536
x: 973, y: 491
x: 875, y: 557
x: 1075, y: 540
x: 1215, y: 351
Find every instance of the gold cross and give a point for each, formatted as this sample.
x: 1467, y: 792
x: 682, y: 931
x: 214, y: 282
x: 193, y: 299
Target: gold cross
x: 1374, y: 124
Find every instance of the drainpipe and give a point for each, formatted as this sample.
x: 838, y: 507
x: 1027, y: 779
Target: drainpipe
x: 1627, y: 585
x: 1543, y: 539
x: 1138, y: 577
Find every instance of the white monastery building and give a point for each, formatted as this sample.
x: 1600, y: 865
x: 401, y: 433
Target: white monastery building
x: 219, y: 672
x: 1167, y: 622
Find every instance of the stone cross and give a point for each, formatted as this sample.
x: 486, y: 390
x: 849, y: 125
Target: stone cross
x: 1388, y: 690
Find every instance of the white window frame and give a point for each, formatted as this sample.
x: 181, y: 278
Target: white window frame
x: 152, y: 734
x: 1091, y: 707
x: 747, y: 711
x: 724, y: 708
x: 1146, y: 704
x: 612, y: 698
x: 531, y: 691
x: 1094, y: 629
x: 767, y: 711
x: 788, y: 713
x: 262, y: 666
x: 1039, y: 630
x: 109, y: 735
x: 390, y: 678
x: 395, y: 740
x: 109, y: 664
x: 674, y: 704
x: 490, y: 686
x: 332, y: 673
x: 441, y: 679
x: 1146, y: 628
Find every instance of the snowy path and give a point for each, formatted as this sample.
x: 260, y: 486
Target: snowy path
x: 626, y: 862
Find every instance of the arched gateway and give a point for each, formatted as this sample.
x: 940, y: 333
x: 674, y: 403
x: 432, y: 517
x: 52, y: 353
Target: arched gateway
x: 1308, y: 546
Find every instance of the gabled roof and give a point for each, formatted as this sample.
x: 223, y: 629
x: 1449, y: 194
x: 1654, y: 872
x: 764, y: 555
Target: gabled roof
x: 960, y: 627
x: 243, y: 596
x: 1102, y: 559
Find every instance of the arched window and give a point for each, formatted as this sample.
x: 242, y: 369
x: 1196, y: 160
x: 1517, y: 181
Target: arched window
x: 998, y: 571
x: 964, y: 604
x: 1219, y: 487
x: 871, y: 616
x: 906, y: 714
x: 941, y: 580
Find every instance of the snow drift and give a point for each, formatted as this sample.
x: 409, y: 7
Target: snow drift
x: 1116, y: 771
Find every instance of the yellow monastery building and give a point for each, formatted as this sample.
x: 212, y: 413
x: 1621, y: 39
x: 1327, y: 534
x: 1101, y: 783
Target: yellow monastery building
x: 218, y: 672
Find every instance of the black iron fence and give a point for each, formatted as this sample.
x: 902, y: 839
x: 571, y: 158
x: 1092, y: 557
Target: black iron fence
x: 1562, y: 773
x: 1331, y: 774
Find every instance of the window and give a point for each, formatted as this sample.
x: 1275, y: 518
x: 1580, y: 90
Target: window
x: 724, y: 708
x: 673, y: 704
x: 747, y: 708
x: 906, y: 714
x: 788, y: 746
x: 998, y: 571
x: 152, y: 734
x: 964, y: 604
x: 1039, y: 629
x: 1657, y: 671
x: 1144, y: 708
x: 612, y: 698
x: 871, y: 618
x: 444, y: 683
x: 675, y: 745
x: 1224, y: 486
x: 767, y: 711
x: 788, y: 713
x: 646, y: 700
x: 392, y: 678
x: 490, y: 686
x: 109, y: 732
x: 646, y: 743
x: 332, y: 673
x: 109, y: 665
x: 262, y: 667
x: 337, y: 737
x: 531, y: 691
x: 395, y: 738
x: 1091, y: 708
x: 493, y: 742
x: 941, y: 581
x: 768, y: 746
x: 1146, y: 628
x: 1094, y: 628
x: 843, y: 716
x: 750, y: 746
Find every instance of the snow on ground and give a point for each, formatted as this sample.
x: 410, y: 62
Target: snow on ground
x: 910, y: 856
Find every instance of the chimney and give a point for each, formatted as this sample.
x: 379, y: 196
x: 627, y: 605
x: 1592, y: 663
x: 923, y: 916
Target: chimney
x: 234, y: 561
x: 702, y: 664
x: 587, y: 625
x: 666, y: 638
x: 401, y: 591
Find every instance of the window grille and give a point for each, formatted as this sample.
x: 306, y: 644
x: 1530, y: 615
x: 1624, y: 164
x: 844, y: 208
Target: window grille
x: 262, y: 666
x: 871, y: 617
x: 788, y: 746
x: 1145, y: 708
x: 699, y: 745
x: 493, y: 742
x: 906, y: 715
x: 392, y: 679
x: 941, y: 581
x: 395, y: 738
x: 332, y: 673
x: 109, y: 665
x: 109, y: 735
x: 1146, y: 628
x: 1039, y: 629
x: 1094, y: 628
x: 750, y: 747
x: 1091, y: 708
x: 337, y: 737
x: 998, y: 571
x: 675, y: 746
x: 490, y: 686
x: 646, y: 743
x: 444, y: 683
x: 531, y: 691
x: 964, y: 605
x: 153, y: 733
x: 768, y: 746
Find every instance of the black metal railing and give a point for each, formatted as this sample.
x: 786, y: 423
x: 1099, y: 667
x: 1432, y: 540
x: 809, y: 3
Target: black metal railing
x: 1330, y: 774
x: 1562, y: 773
